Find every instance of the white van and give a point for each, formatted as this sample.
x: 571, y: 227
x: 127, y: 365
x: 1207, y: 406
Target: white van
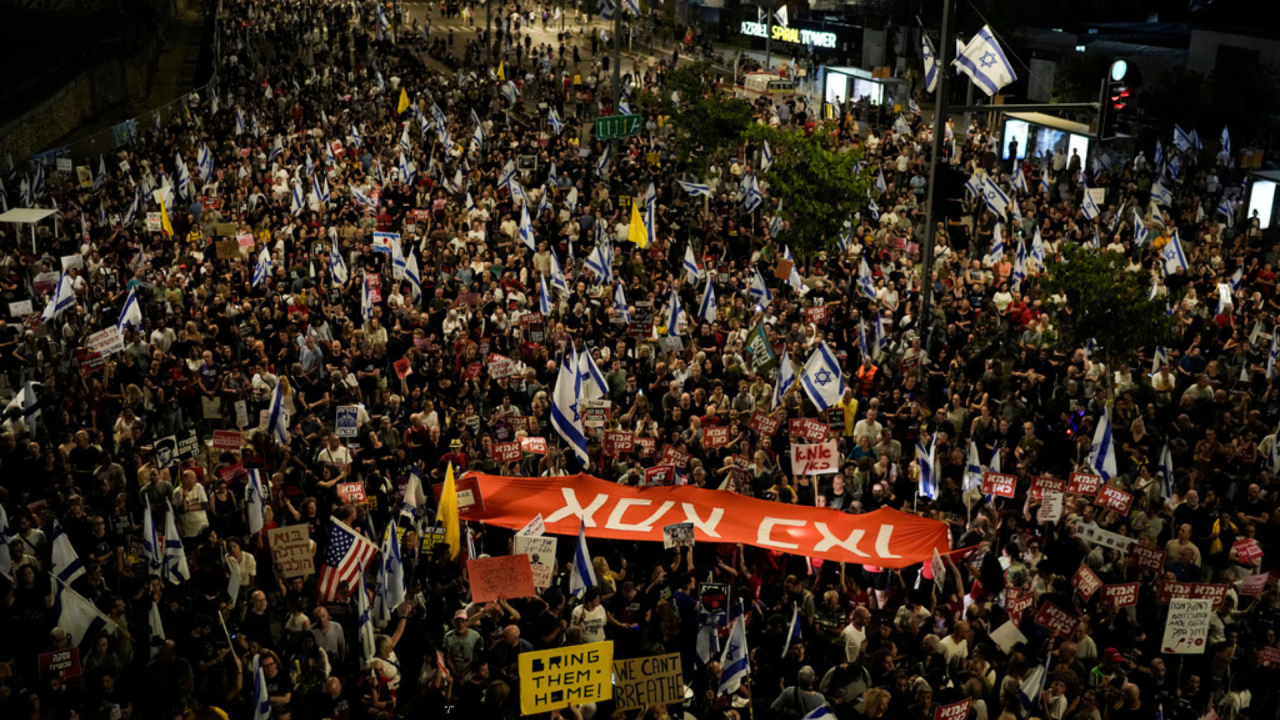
x: 763, y: 84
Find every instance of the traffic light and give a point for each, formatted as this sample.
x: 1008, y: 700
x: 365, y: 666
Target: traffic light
x: 1115, y: 98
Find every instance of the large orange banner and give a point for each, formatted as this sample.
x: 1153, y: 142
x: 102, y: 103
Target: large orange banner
x: 887, y: 538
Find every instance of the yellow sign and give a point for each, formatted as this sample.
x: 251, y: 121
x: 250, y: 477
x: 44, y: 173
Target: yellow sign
x: 554, y: 679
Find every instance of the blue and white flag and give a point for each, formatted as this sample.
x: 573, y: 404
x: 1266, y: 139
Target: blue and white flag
x: 972, y: 468
x: 155, y: 627
x: 985, y: 63
x: 544, y: 297
x: 261, y: 698
x: 927, y: 464
x: 759, y: 289
x: 766, y: 157
x: 1033, y: 685
x: 591, y: 382
x: 1165, y: 471
x: 390, y: 592
x: 674, y: 311
x: 6, y: 560
x: 130, y: 314
x: 600, y: 262
x: 1172, y: 256
x: 1140, y: 232
x: 565, y: 415
x: 1102, y: 453
x: 881, y: 186
x: 997, y: 245
x: 1226, y: 140
x: 794, y: 630
x: 930, y: 64
x: 1236, y: 279
x: 1273, y: 354
x: 557, y: 124
x: 175, y: 556
x: 866, y: 283
x: 558, y: 280
x: 151, y: 542
x: 337, y: 266
x: 822, y: 379
x: 1224, y: 209
x: 80, y: 619
x: 620, y: 303
x: 735, y: 661
x: 1089, y: 207
x: 1019, y: 179
x: 414, y: 276
x: 794, y: 280
x: 602, y: 164
x: 690, y: 266
x: 64, y: 563
x: 1195, y: 140
x: 1181, y: 139
x: 366, y: 300
x: 255, y: 501
x: 606, y: 8
x: 582, y: 574
x: 820, y: 713
x: 707, y: 308
x: 995, y: 198
x: 752, y: 198
x: 1160, y: 357
x: 526, y: 229
x: 263, y: 269
x: 695, y: 189
x: 364, y: 621
x: 278, y: 417
x: 63, y: 299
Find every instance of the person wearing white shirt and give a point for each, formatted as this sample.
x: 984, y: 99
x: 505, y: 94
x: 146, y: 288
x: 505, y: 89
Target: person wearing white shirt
x: 854, y: 635
x: 954, y: 648
x: 868, y: 427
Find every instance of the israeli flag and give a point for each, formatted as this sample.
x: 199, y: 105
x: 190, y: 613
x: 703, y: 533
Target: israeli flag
x: 359, y: 197
x: 1102, y: 454
x: 1020, y: 257
x: 600, y: 263
x: 366, y: 300
x: 602, y: 164
x: 79, y: 618
x: 526, y: 229
x: 926, y: 462
x: 786, y: 378
x: 277, y: 149
x: 996, y: 198
x: 1226, y: 140
x: 557, y: 124
x: 131, y: 314
x: 175, y: 557
x: 794, y: 280
x: 261, y: 700
x: 735, y: 661
x: 155, y: 627
x: 1181, y: 139
x: 255, y: 501
x: 1165, y: 470
x: 1195, y: 140
x: 6, y: 561
x: 930, y: 64
x: 794, y: 630
x: 263, y: 269
x: 337, y: 266
x: 63, y: 299
x: 822, y: 379
x: 1224, y: 208
x: 1089, y: 207
x: 881, y: 186
x: 151, y: 542
x: 571, y: 200
x: 753, y: 198
x: 690, y: 265
x: 606, y: 8
x: 1160, y: 357
x: 1140, y: 232
x: 544, y: 297
x: 759, y: 290
x: 866, y: 283
x: 972, y: 468
x: 985, y: 63
x: 239, y: 122
x: 329, y: 158
x: 695, y: 189
x: 390, y: 592
x: 278, y: 418
x: 997, y: 245
x: 1032, y: 687
x: 1273, y: 354
x: 408, y: 171
x: 766, y: 157
x: 707, y: 309
x: 591, y: 383
x: 64, y: 563
x: 1015, y: 211
x: 620, y: 303
x: 1045, y: 184
x: 582, y: 575
x: 414, y: 276
x: 558, y: 279
x: 204, y: 161
x: 565, y: 417
x: 297, y: 201
x: 1172, y: 256
x: 674, y: 311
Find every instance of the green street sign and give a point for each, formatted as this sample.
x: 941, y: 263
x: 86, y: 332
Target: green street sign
x: 617, y: 126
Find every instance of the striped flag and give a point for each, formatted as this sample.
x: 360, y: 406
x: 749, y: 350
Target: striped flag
x: 345, y: 558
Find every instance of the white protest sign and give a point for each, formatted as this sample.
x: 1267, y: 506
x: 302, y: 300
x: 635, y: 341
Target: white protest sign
x: 815, y: 459
x: 1187, y: 627
x: 1050, y: 507
x: 939, y: 570
x: 153, y: 222
x: 541, y: 551
x: 535, y: 528
x: 20, y: 309
x: 1007, y: 636
x: 106, y: 342
x: 73, y: 261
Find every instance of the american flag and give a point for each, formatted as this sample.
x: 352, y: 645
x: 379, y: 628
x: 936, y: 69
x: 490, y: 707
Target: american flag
x: 344, y: 559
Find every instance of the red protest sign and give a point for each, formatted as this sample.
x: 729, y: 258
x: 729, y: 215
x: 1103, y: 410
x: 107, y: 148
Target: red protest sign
x: 1083, y: 483
x: 403, y: 370
x: 1270, y: 657
x: 229, y: 472
x: 1247, y: 550
x: 806, y: 429
x: 714, y: 437
x: 1041, y: 484
x: 672, y: 456
x: 60, y: 663
x: 646, y: 446
x: 1120, y: 596
x: 1146, y: 558
x: 1057, y: 620
x: 226, y: 439
x: 817, y: 315
x: 663, y: 475
x: 617, y: 442
x: 1215, y: 592
x: 1114, y: 499
x: 507, y: 452
x: 954, y: 711
x: 351, y: 493
x: 535, y: 445
x: 998, y: 484
x: 1086, y: 582
x: 505, y: 576
x: 764, y: 424
x: 1017, y: 601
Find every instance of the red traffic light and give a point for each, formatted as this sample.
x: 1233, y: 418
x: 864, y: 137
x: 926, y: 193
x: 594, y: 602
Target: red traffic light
x: 1119, y: 97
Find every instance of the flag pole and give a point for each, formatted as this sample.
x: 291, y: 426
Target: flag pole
x: 945, y: 51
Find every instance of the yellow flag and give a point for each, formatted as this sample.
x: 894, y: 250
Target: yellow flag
x: 502, y: 73
x: 404, y: 101
x: 165, y: 225
x: 638, y: 233
x: 447, y: 513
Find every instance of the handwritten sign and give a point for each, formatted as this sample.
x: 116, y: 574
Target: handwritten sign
x: 1146, y: 558
x: 1041, y: 484
x: 20, y: 309
x: 226, y: 439
x: 764, y: 424
x: 1079, y: 483
x: 291, y: 550
x: 1086, y: 582
x: 1115, y: 499
x: 816, y: 459
x: 245, y: 240
x: 1057, y: 620
x: 541, y: 551
x: 1187, y: 627
x: 507, y: 452
x: 535, y: 445
x: 506, y: 576
x: 351, y: 493
x: 501, y: 366
x: 999, y: 484
x: 1120, y: 596
x: 617, y: 442
x: 807, y: 429
x: 655, y: 680
x: 660, y: 475
x: 1051, y: 504
x: 1270, y: 657
x: 558, y: 678
x: 106, y: 342
x: 715, y: 437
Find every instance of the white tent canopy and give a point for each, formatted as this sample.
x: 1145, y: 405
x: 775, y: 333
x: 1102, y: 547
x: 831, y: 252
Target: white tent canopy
x: 27, y: 216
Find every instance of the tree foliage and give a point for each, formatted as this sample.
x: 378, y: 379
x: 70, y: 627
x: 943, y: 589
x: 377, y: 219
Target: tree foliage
x: 1099, y: 299
x: 708, y: 123
x: 819, y: 185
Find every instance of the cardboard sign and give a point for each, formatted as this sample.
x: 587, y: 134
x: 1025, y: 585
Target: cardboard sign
x: 817, y: 315
x: 1007, y: 636
x: 954, y: 711
x: 646, y: 446
x: 782, y: 271
x: 154, y: 223
x: 1079, y: 483
x: 558, y: 678
x: 1215, y: 593
x: 541, y: 552
x: 227, y: 249
x: 660, y: 475
x: 1187, y: 627
x: 677, y: 535
x: 1097, y: 536
x: 1120, y: 596
x: 816, y: 459
x: 507, y: 452
x: 1253, y: 585
x: 60, y: 663
x: 672, y: 456
x: 654, y: 680
x: 1056, y: 620
x: 105, y: 342
x: 535, y: 445
x: 1041, y: 484
x: 715, y: 437
x: 351, y: 493
x: 501, y: 366
x: 85, y: 176
x: 1146, y: 558
x: 505, y: 576
x: 20, y: 309
x: 999, y: 484
x: 403, y: 370
x: 1086, y: 582
x: 72, y: 262
x: 807, y: 429
x: 766, y: 425
x: 226, y: 439
x: 1051, y: 505
x: 1114, y: 499
x: 617, y: 442
x: 595, y: 413
x: 347, y: 422
x: 1247, y: 550
x: 291, y: 551
x: 45, y: 281
x: 245, y: 240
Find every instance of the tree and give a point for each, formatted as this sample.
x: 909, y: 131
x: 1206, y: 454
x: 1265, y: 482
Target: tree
x: 708, y: 123
x: 1100, y: 300
x: 819, y: 185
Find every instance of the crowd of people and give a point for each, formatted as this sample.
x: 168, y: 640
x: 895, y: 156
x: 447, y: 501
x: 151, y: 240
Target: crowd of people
x: 343, y: 251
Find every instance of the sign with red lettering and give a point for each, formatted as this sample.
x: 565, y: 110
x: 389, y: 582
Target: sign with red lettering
x: 351, y: 493
x: 1247, y: 550
x: 617, y: 442
x: 60, y: 663
x: 1041, y: 484
x: 806, y: 429
x: 1114, y: 499
x: 1253, y: 585
x: 1146, y: 558
x: 1120, y: 596
x: 663, y: 475
x: 535, y: 445
x: 714, y: 437
x: 226, y: 439
x: 815, y: 459
x: 1057, y: 620
x: 763, y: 424
x: 1170, y: 590
x: 998, y: 484
x: 501, y: 366
x: 1086, y: 582
x: 954, y: 711
x: 1270, y: 657
x: 646, y: 446
x: 505, y: 576
x: 672, y: 456
x: 229, y: 472
x: 817, y: 315
x: 507, y: 452
x: 1083, y: 483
